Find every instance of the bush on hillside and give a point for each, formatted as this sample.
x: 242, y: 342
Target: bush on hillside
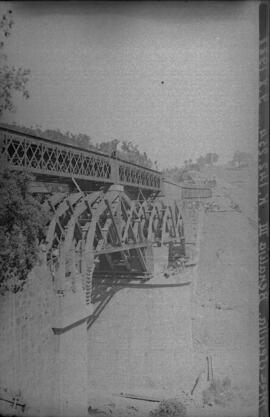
x: 219, y: 392
x: 169, y: 408
x: 22, y: 227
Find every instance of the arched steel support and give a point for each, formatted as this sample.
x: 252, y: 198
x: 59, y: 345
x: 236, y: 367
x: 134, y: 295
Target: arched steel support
x: 107, y: 234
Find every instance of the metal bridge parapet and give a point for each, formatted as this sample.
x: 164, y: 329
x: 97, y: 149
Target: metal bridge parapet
x: 22, y: 151
x: 131, y: 174
x: 193, y: 192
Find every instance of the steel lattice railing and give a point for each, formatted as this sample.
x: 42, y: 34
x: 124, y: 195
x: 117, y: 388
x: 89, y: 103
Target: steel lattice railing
x: 196, y: 192
x: 42, y: 156
x: 133, y: 175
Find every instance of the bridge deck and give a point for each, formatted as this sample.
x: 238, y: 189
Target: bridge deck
x: 22, y: 151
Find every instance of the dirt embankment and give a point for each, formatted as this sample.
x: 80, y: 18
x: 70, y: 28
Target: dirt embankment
x: 225, y: 321
x: 224, y: 306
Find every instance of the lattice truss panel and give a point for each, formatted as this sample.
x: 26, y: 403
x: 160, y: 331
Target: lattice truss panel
x: 41, y: 156
x: 196, y: 193
x: 129, y: 174
x: 107, y: 234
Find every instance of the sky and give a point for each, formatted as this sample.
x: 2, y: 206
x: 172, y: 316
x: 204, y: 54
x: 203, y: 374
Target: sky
x: 179, y: 79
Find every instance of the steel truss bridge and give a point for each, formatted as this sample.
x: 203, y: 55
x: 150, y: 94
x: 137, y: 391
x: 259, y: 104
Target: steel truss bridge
x: 45, y: 158
x: 99, y: 234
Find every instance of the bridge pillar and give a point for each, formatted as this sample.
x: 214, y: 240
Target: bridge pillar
x: 71, y: 379
x: 70, y: 330
x: 114, y: 171
x: 72, y: 372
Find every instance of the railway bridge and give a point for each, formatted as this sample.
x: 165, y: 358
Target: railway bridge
x: 107, y: 215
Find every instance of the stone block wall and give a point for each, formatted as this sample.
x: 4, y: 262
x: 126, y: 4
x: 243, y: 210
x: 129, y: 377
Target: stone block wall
x: 48, y: 371
x: 28, y: 346
x: 142, y: 342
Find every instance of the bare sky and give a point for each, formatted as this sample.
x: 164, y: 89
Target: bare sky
x: 97, y: 68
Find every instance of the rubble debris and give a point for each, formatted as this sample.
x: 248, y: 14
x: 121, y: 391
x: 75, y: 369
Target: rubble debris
x: 96, y: 412
x: 219, y: 306
x: 169, y: 408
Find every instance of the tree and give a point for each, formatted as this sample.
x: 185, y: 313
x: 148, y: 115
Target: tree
x: 108, y: 147
x: 12, y: 79
x: 201, y: 161
x: 241, y: 159
x: 82, y: 140
x: 215, y: 158
x: 209, y: 159
x: 22, y: 218
x: 132, y: 154
x: 22, y: 227
x: 177, y: 174
x: 127, y: 151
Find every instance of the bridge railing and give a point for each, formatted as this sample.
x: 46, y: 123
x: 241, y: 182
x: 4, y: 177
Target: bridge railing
x: 22, y: 151
x: 193, y: 192
x: 131, y: 174
x: 186, y: 192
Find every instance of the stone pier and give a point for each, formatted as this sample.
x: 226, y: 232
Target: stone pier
x: 45, y: 369
x: 142, y: 341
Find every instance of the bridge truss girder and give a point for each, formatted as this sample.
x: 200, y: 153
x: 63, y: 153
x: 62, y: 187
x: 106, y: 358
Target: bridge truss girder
x: 107, y: 234
x: 50, y: 159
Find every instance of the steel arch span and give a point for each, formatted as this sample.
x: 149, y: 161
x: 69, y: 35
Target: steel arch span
x: 107, y: 234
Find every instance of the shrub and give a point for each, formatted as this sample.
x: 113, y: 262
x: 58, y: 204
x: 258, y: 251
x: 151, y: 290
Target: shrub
x: 22, y: 226
x: 169, y: 408
x: 219, y: 392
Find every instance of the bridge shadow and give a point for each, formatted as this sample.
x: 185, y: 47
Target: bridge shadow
x: 103, y: 290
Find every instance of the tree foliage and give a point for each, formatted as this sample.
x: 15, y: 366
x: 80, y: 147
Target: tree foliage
x: 180, y: 174
x: 81, y: 140
x: 241, y: 159
x: 177, y: 174
x: 209, y: 159
x: 127, y: 151
x: 22, y: 227
x: 108, y: 147
x: 12, y: 79
x: 132, y: 154
x: 22, y: 218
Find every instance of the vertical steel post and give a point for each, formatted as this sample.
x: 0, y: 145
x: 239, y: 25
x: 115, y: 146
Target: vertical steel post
x: 114, y: 170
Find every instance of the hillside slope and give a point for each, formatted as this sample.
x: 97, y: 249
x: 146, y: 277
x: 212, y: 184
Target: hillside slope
x: 225, y: 321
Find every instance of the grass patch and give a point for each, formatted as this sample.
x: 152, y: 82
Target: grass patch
x: 219, y: 392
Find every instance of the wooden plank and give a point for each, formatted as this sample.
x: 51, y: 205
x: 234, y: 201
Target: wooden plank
x: 121, y: 248
x: 14, y: 402
x: 138, y: 397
